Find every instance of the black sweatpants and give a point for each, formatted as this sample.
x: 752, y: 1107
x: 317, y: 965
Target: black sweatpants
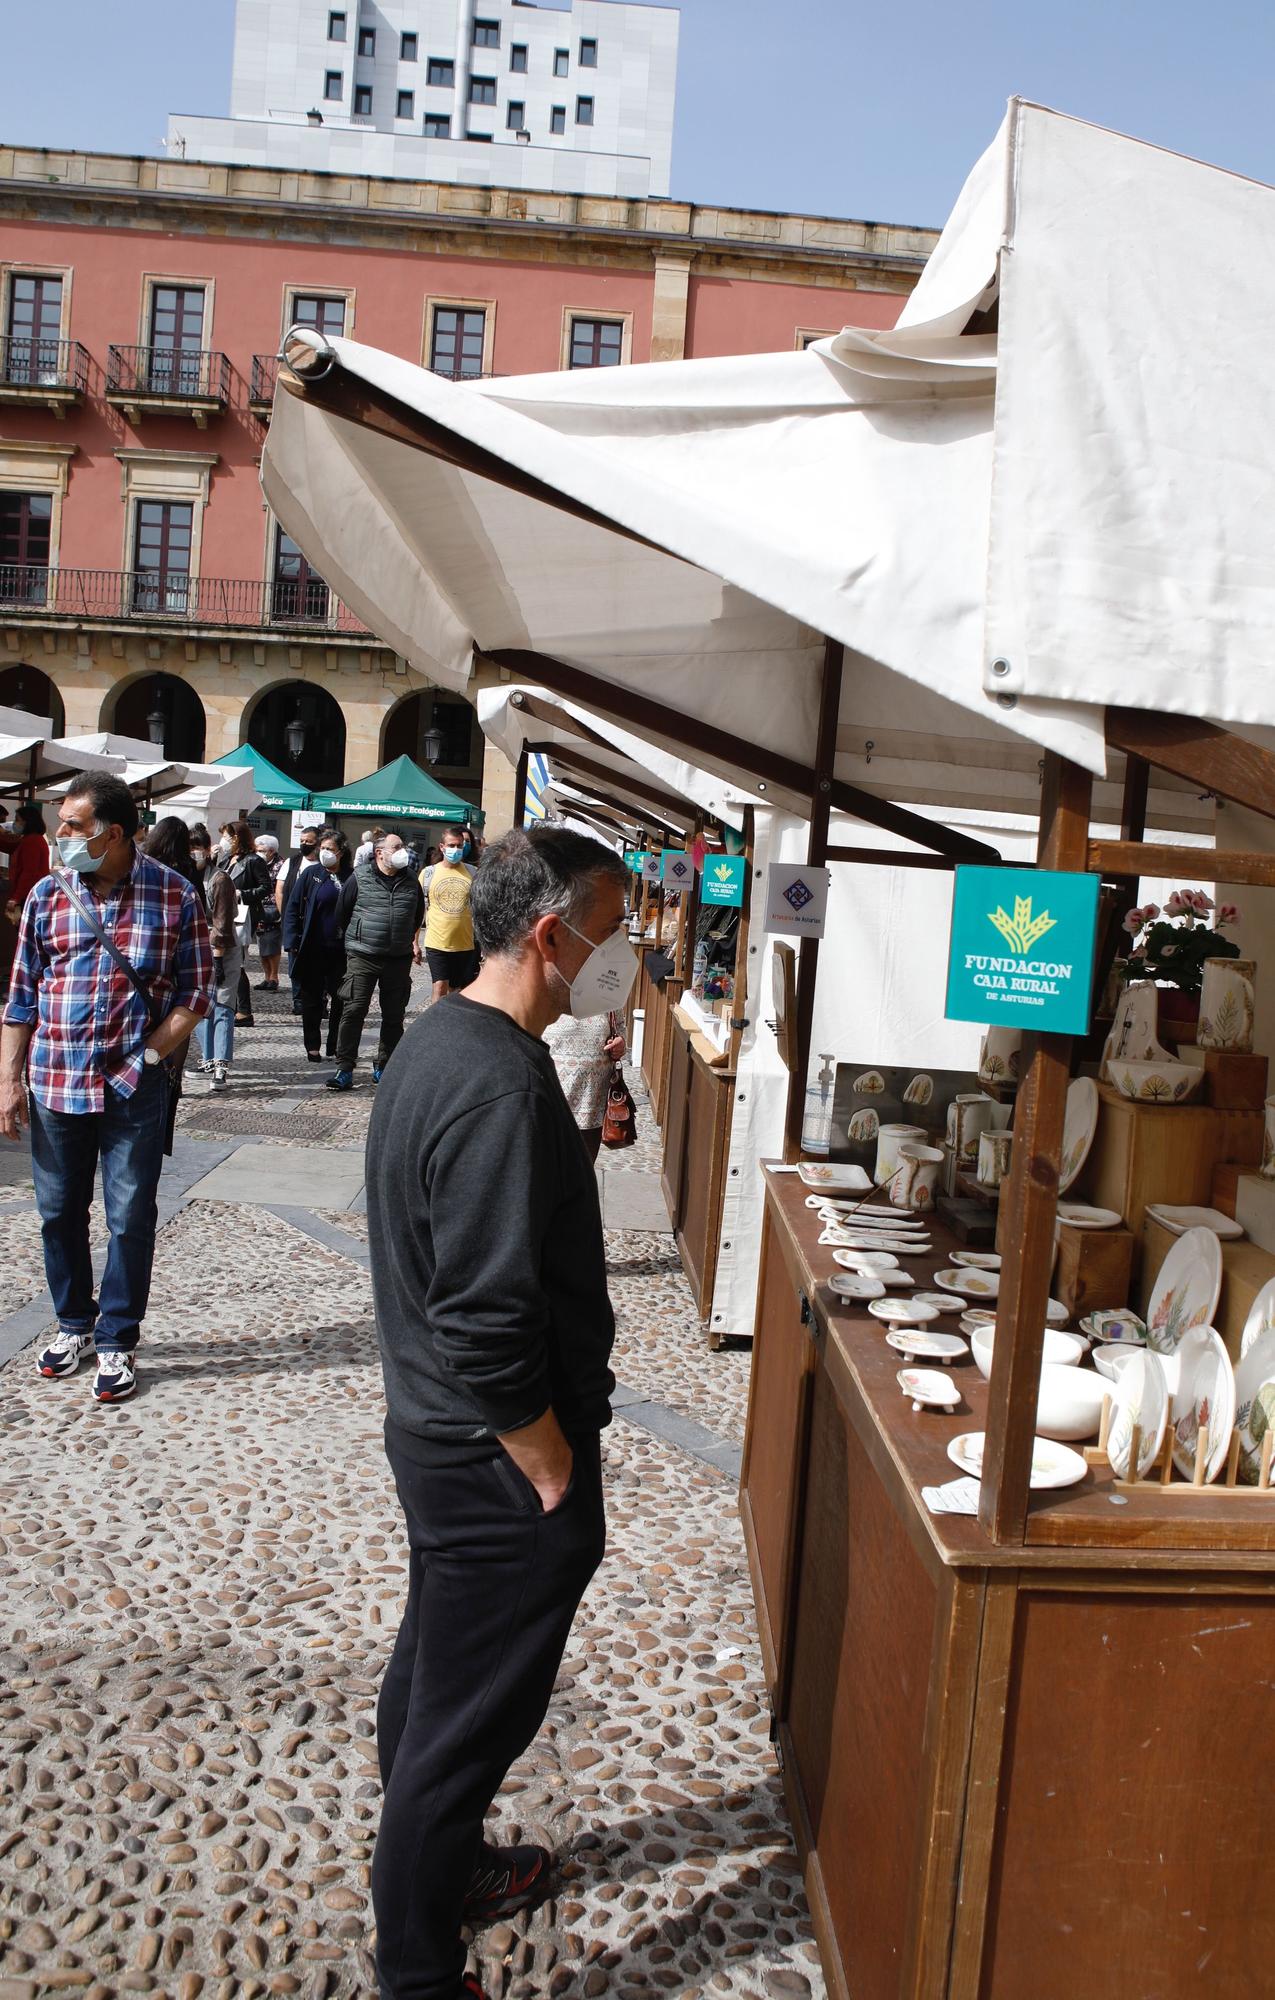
x: 318, y: 978
x: 493, y: 1585
x: 362, y: 977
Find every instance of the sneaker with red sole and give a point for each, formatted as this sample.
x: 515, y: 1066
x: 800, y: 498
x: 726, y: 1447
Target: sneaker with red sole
x: 506, y: 1880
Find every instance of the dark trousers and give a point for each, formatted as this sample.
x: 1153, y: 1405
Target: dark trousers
x: 127, y: 1137
x: 243, y: 994
x: 318, y: 978
x: 493, y: 1585
x: 362, y: 977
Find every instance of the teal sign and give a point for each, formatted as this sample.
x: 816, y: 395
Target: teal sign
x: 632, y: 860
x: 1022, y: 951
x: 723, y: 879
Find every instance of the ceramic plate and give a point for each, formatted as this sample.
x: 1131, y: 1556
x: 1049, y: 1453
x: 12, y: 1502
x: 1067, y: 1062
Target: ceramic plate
x: 978, y: 1260
x: 1141, y: 1397
x: 1080, y: 1215
x: 1113, y: 1359
x: 1205, y: 1401
x: 929, y: 1385
x: 1052, y: 1464
x: 1186, y: 1289
x: 973, y: 1284
x: 1255, y: 1402
x: 1080, y: 1122
x: 1117, y: 1327
x: 1261, y: 1317
x: 856, y: 1285
x: 866, y: 1260
x: 944, y: 1302
x: 929, y: 1346
x: 901, y: 1312
x: 822, y: 1174
x: 1179, y: 1220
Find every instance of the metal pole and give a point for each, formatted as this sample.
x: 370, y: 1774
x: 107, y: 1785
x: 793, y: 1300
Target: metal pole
x: 816, y: 857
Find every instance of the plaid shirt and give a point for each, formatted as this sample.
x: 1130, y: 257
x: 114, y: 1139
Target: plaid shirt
x: 90, y: 1022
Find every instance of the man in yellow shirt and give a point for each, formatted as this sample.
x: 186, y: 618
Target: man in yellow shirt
x: 449, y: 927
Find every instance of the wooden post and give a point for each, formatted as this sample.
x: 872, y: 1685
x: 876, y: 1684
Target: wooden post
x: 644, y: 910
x: 659, y: 901
x: 1030, y: 1197
x: 520, y: 788
x: 739, y: 991
x: 688, y: 928
x: 816, y: 857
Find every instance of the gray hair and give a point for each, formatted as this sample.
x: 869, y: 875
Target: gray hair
x: 547, y: 871
x: 268, y: 840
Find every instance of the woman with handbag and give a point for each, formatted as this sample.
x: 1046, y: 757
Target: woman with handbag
x: 587, y: 1055
x: 216, y: 1033
x: 237, y: 854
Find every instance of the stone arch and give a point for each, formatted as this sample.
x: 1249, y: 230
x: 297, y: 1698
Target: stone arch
x: 405, y: 723
x: 160, y: 708
x: 30, y: 688
x: 320, y: 763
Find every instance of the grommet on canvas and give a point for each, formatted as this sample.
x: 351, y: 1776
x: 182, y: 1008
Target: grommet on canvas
x: 1007, y: 701
x: 1000, y: 668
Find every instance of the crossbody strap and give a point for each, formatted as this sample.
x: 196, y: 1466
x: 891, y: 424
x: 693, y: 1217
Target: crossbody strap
x: 113, y: 951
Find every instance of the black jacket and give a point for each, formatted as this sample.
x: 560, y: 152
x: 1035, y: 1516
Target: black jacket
x: 299, y: 913
x: 381, y: 914
x: 488, y: 1267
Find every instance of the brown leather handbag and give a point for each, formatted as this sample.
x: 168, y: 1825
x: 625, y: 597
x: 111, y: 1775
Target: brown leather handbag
x: 619, y: 1124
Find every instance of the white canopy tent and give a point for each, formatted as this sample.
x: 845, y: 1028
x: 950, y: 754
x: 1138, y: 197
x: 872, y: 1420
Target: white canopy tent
x: 33, y: 761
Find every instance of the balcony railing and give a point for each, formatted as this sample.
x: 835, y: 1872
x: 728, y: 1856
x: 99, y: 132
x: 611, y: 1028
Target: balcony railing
x: 265, y: 373
x: 170, y: 597
x: 167, y: 373
x: 48, y: 365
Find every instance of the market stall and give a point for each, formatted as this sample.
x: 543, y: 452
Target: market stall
x: 880, y: 579
x: 399, y: 793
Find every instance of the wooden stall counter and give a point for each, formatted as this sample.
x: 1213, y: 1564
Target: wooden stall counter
x: 987, y: 1749
x: 699, y: 1093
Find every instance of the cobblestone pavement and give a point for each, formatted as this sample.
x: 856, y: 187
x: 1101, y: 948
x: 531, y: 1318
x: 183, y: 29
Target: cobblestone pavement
x: 198, y: 1590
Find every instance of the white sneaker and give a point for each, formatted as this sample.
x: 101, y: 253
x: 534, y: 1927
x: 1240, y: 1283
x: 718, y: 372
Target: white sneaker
x: 116, y: 1377
x: 64, y: 1353
x: 219, y: 1077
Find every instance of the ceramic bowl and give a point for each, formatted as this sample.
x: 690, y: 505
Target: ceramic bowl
x: 1069, y: 1404
x: 1115, y: 1357
x: 1061, y: 1350
x: 1156, y: 1082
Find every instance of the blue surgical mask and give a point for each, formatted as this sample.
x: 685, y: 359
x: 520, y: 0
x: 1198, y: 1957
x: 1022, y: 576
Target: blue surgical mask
x: 77, y: 854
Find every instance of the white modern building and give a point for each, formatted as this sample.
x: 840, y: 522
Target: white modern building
x: 578, y: 99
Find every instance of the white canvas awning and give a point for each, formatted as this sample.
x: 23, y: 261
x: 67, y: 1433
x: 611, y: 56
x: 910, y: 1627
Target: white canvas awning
x: 31, y: 758
x: 1045, y: 490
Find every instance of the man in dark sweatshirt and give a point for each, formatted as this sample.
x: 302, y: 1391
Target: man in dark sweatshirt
x: 495, y: 1329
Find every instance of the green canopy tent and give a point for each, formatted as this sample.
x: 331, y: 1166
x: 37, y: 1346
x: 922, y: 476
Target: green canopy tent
x: 275, y: 787
x: 399, y: 790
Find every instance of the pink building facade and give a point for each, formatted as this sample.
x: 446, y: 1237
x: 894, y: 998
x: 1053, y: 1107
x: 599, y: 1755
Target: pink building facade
x: 144, y: 586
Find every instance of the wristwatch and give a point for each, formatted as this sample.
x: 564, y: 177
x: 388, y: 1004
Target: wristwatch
x: 152, y: 1058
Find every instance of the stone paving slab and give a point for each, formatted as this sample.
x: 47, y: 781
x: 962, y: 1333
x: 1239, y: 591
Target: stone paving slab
x: 305, y: 1176
x: 634, y: 1201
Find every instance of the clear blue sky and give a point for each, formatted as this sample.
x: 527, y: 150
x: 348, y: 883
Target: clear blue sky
x: 875, y: 111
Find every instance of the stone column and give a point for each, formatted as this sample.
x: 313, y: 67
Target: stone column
x: 668, y: 307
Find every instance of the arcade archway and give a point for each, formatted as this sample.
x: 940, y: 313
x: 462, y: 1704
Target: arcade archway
x: 163, y: 710
x: 301, y: 729
x: 27, y: 688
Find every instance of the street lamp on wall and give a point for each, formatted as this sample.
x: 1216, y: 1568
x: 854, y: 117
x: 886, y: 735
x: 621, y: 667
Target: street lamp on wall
x: 157, y: 725
x: 294, y: 737
x: 432, y: 744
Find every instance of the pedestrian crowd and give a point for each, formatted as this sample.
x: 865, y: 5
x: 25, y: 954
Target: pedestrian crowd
x: 495, y: 1342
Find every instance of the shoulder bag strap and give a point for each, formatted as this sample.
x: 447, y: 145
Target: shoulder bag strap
x: 112, y: 950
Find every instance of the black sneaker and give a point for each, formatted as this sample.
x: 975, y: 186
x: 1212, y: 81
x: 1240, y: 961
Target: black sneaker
x: 507, y: 1879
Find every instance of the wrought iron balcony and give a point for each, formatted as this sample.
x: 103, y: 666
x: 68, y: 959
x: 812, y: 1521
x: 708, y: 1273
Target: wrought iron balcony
x: 52, y: 372
x: 168, y: 381
x: 171, y: 597
x: 265, y: 373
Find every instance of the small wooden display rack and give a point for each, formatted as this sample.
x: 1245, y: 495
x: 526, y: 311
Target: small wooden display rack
x: 1158, y: 1480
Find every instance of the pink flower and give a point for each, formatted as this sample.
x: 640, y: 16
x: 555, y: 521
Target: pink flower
x: 1199, y: 902
x: 1151, y: 911
x: 1133, y: 922
x: 1175, y: 905
x: 1168, y: 951
x: 1227, y: 914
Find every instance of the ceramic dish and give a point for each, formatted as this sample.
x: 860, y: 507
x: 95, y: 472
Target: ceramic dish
x: 893, y: 1246
x: 901, y: 1312
x: 1052, y: 1464
x: 1186, y: 1290
x: 944, y: 1302
x: 1112, y: 1359
x: 847, y: 1212
x: 1204, y: 1403
x: 971, y: 1284
x: 866, y: 1260
x: 928, y: 1386
x: 1140, y: 1397
x: 1159, y: 1082
x: 1060, y: 1350
x: 978, y: 1260
x: 1261, y: 1317
x: 1179, y: 1220
x: 927, y: 1346
x: 822, y: 1174
x: 1080, y: 1122
x: 1056, y: 1313
x: 1255, y: 1403
x: 856, y: 1285
x: 1080, y: 1215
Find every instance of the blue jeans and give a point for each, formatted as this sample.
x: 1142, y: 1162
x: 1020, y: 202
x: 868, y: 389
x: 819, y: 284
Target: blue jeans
x: 127, y: 1136
x: 217, y: 1029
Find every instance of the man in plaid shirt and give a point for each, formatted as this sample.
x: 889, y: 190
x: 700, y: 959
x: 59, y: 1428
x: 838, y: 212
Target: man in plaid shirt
x: 97, y: 1068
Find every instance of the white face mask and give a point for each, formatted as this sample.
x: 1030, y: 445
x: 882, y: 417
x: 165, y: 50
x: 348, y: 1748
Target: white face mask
x: 606, y: 977
x: 225, y: 844
x: 329, y: 857
x: 399, y: 858
x: 199, y: 855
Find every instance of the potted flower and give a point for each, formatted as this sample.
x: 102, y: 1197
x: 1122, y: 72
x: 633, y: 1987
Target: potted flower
x: 1171, y: 946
